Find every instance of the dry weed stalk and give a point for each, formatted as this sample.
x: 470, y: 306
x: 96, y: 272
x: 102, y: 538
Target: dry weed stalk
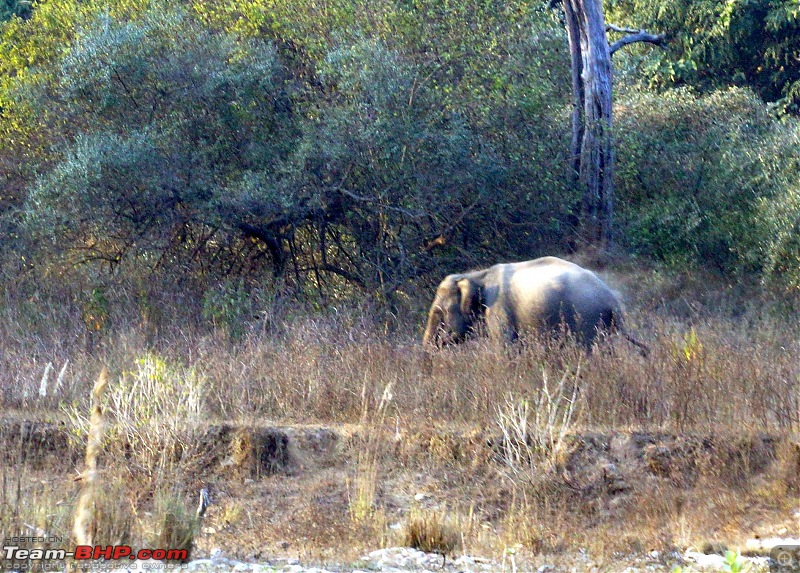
x: 361, y: 500
x: 534, y: 432
x: 84, y: 525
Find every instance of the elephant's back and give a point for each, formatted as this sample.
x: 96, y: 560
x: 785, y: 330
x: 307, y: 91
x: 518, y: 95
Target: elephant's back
x: 547, y: 272
x: 534, y: 288
x: 550, y: 263
x: 545, y: 287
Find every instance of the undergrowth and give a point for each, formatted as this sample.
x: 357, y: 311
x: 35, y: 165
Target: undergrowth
x: 707, y: 375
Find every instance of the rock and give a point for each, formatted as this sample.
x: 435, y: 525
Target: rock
x: 759, y: 546
x: 199, y: 564
x: 702, y: 560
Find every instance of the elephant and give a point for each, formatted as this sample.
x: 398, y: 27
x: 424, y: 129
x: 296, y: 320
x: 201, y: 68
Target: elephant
x: 541, y: 295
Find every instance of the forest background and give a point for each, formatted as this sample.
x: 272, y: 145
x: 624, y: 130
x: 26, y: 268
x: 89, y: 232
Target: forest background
x: 229, y: 153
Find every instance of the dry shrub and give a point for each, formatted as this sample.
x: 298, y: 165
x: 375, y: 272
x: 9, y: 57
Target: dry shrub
x: 176, y: 523
x: 154, y: 416
x: 535, y: 428
x: 149, y: 424
x: 362, y: 487
x: 432, y: 531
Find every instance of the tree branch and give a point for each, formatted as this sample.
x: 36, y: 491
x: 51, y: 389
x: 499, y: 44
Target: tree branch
x: 342, y: 273
x: 272, y: 242
x: 620, y: 29
x: 634, y: 36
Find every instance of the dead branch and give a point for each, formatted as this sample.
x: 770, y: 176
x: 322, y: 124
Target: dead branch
x: 634, y: 36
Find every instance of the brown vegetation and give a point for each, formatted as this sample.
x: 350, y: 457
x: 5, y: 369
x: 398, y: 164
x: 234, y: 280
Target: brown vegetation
x: 322, y: 430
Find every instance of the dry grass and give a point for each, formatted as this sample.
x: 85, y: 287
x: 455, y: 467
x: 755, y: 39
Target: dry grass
x: 709, y: 374
x: 315, y: 371
x: 140, y: 437
x: 432, y: 531
x: 362, y: 486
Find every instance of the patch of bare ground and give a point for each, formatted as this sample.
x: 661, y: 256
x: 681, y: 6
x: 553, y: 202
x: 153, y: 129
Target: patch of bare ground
x: 287, y: 491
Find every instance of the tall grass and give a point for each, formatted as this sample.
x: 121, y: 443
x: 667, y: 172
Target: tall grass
x: 170, y: 377
x: 363, y: 485
x: 709, y: 374
x: 143, y: 424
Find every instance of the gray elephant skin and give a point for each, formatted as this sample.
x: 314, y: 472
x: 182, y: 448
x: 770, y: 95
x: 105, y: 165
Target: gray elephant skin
x: 542, y: 295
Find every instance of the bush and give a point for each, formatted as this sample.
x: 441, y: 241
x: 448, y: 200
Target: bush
x: 709, y: 180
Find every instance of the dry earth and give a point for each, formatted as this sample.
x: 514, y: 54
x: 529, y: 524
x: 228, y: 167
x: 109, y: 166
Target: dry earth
x: 280, y: 498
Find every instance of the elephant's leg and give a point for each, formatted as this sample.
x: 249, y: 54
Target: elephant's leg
x: 588, y: 339
x: 597, y: 329
x: 500, y: 325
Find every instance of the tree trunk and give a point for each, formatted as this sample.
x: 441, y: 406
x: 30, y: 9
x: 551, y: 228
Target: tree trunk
x: 592, y: 149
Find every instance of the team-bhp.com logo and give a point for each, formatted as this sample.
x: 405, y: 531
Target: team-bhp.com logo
x: 21, y: 558
x: 784, y: 559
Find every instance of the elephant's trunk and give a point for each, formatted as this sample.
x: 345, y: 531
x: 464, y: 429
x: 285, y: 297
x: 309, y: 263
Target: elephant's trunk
x: 435, y: 322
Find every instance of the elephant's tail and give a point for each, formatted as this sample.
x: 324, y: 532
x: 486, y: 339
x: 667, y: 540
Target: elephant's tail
x: 618, y: 325
x: 644, y: 350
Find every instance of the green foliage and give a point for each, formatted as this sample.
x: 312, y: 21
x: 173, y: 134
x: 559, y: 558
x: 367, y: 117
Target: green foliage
x: 307, y: 27
x: 171, y: 141
x: 15, y: 8
x: 709, y: 180
x: 690, y: 350
x: 734, y: 563
x: 94, y: 310
x: 30, y: 50
x: 362, y: 146
x: 380, y: 154
x: 229, y: 306
x: 715, y: 43
x: 160, y: 119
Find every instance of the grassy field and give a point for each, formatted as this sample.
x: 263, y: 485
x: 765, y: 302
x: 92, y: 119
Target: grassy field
x: 535, y: 447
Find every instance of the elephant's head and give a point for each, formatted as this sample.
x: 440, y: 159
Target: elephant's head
x: 455, y: 309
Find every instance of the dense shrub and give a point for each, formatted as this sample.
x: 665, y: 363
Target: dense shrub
x: 709, y: 180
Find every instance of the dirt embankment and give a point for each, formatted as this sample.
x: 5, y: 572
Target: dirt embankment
x: 288, y: 490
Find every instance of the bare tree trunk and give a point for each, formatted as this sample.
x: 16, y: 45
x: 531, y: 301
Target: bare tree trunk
x: 592, y: 146
x: 573, y: 34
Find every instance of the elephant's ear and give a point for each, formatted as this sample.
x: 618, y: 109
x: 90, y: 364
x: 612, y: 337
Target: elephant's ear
x: 471, y: 297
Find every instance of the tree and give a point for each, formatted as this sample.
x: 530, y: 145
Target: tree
x: 162, y: 125
x: 11, y: 8
x: 747, y: 43
x: 178, y: 146
x: 592, y: 146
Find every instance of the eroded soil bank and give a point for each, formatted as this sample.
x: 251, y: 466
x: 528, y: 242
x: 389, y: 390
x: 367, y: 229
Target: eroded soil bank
x: 607, y: 499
